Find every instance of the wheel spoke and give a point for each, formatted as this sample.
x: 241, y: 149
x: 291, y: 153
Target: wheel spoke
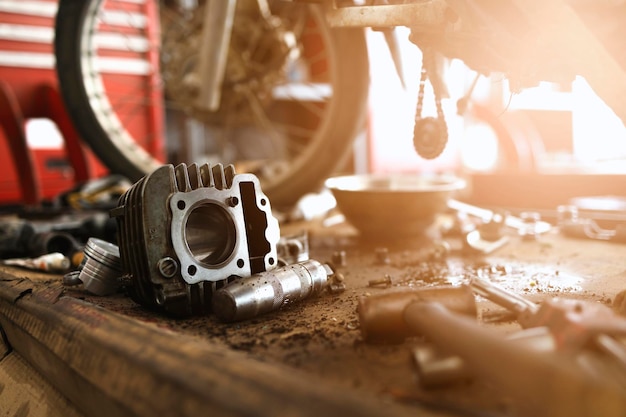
x: 279, y: 89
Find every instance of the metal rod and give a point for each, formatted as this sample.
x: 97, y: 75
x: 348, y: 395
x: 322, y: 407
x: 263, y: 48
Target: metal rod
x: 426, y: 13
x: 219, y: 16
x: 549, y: 384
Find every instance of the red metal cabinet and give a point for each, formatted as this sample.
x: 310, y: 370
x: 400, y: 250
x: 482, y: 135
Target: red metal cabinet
x: 27, y: 64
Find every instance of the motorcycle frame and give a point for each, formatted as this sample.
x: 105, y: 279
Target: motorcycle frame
x: 584, y: 54
x: 219, y: 15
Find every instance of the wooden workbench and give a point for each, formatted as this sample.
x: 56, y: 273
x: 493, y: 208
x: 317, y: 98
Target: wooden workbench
x: 107, y: 356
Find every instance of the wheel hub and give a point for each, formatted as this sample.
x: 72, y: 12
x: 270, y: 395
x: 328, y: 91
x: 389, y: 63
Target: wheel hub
x: 258, y: 51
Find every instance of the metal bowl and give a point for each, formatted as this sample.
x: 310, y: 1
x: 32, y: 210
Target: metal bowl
x: 394, y: 205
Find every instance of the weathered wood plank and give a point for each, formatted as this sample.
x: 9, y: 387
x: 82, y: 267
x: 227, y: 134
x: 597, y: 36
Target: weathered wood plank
x: 25, y: 392
x: 108, y: 364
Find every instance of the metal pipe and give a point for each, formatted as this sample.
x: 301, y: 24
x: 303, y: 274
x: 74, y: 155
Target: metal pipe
x: 219, y: 16
x: 428, y: 13
x: 271, y: 290
x: 381, y: 317
x: 547, y: 383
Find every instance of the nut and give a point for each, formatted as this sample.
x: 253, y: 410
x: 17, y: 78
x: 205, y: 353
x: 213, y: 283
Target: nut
x: 168, y: 267
x: 336, y: 287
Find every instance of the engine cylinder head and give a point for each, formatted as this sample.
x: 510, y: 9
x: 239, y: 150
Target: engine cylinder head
x: 186, y: 231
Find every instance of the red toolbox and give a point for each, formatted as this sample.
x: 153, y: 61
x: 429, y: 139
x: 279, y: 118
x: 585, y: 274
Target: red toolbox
x: 27, y: 65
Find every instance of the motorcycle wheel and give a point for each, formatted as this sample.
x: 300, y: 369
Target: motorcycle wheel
x: 293, y: 99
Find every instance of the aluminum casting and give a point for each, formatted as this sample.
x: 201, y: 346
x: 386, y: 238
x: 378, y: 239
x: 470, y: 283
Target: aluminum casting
x: 185, y: 231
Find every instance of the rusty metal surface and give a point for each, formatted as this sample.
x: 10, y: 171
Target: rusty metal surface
x: 428, y: 13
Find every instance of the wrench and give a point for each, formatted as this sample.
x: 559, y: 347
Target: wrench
x: 523, y: 228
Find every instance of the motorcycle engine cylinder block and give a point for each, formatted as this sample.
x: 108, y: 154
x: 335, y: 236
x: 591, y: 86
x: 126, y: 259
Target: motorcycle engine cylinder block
x: 186, y: 231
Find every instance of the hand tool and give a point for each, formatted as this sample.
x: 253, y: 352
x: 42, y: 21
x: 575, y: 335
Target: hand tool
x: 381, y: 316
x: 549, y: 384
x: 574, y: 323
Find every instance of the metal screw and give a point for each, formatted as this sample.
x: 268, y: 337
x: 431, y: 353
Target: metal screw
x: 336, y: 287
x: 386, y: 282
x: 232, y: 201
x: 168, y: 267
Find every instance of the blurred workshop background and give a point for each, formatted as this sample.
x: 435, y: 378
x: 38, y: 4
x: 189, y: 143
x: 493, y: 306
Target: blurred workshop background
x: 505, y: 141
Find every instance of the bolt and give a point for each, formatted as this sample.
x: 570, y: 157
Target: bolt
x: 336, y: 287
x: 168, y: 267
x: 232, y: 201
x: 339, y: 258
x: 338, y: 277
x: 386, y: 282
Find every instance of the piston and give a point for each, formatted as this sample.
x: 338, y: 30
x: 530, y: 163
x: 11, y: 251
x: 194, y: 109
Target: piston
x: 101, y: 267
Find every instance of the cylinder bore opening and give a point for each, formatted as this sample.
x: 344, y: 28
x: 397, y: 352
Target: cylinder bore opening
x: 210, y: 234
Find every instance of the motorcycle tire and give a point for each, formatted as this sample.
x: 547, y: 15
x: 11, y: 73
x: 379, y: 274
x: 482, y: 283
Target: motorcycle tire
x: 341, y: 117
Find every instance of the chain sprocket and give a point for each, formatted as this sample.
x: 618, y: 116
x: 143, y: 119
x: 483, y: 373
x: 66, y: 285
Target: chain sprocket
x: 430, y: 134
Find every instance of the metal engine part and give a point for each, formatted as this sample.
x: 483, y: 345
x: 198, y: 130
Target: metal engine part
x: 101, y: 267
x: 430, y: 137
x: 262, y: 293
x: 186, y: 231
x: 293, y: 249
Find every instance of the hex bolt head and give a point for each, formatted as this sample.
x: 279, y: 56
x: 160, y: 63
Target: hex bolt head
x: 168, y: 267
x: 336, y: 287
